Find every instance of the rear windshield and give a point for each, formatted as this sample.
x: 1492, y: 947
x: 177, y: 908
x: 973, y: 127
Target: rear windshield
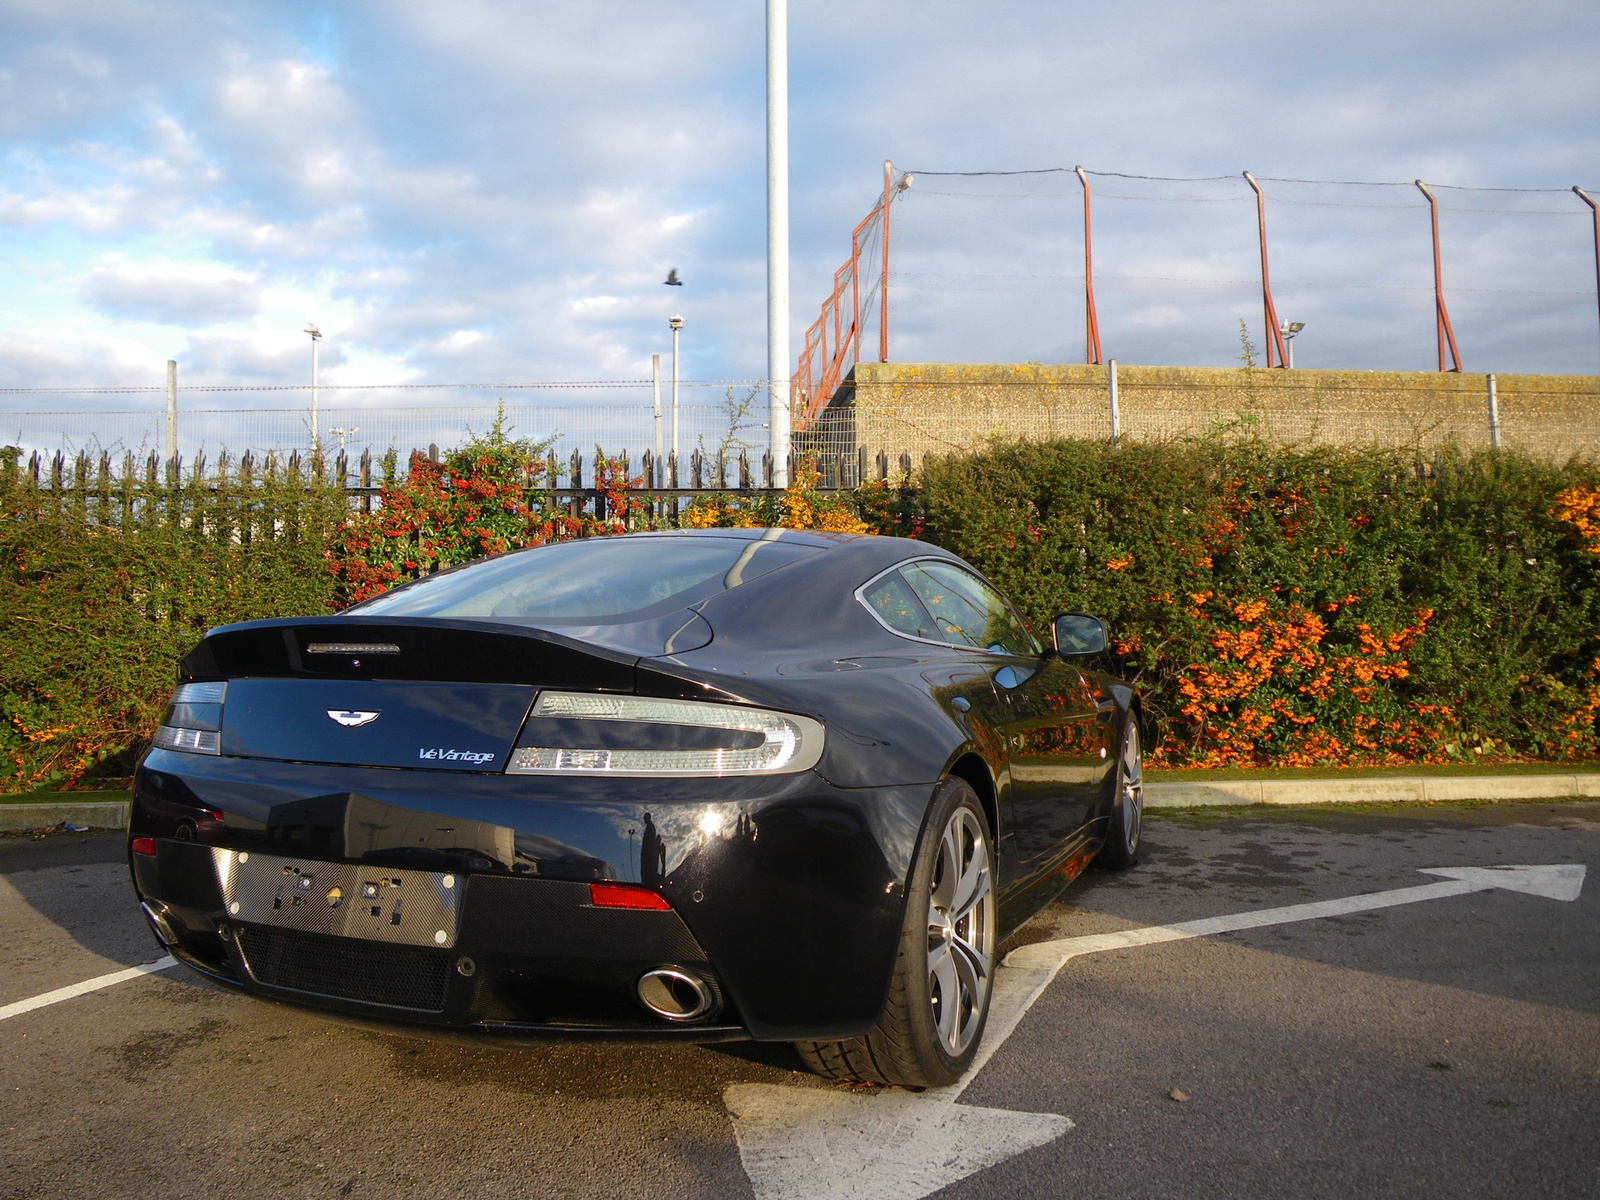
x: 602, y: 578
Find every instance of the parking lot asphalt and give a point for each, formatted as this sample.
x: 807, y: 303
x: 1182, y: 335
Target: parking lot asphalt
x: 1443, y: 1048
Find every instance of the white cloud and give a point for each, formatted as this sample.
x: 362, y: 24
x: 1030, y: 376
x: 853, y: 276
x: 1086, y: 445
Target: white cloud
x: 498, y: 191
x: 190, y: 294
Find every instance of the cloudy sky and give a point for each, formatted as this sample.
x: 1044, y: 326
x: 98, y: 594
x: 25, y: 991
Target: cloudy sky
x: 495, y: 191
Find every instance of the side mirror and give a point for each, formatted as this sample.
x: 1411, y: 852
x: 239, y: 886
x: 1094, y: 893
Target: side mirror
x: 1079, y: 635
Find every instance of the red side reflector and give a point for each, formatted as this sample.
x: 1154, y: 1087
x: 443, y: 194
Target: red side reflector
x: 144, y: 845
x: 620, y: 895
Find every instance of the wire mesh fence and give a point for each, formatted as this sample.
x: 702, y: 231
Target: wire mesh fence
x: 357, y: 428
x: 990, y: 267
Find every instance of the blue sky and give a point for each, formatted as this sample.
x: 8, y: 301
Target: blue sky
x: 479, y: 191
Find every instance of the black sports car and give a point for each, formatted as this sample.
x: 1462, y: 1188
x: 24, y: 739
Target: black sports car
x: 706, y: 785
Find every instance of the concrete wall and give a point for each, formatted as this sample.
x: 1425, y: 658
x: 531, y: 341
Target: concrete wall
x: 942, y: 407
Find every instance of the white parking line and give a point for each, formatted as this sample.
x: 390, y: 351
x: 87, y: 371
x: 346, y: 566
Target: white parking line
x: 88, y: 985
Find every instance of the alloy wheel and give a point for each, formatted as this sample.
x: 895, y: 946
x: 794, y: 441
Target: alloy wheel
x: 961, y: 928
x: 1132, y: 784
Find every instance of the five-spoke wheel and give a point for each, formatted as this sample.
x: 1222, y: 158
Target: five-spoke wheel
x: 960, y: 931
x: 944, y: 971
x: 1121, y: 848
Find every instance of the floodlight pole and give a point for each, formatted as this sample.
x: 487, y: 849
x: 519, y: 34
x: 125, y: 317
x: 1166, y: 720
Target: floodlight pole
x: 883, y: 282
x: 316, y: 337
x: 1441, y: 314
x: 778, y: 364
x: 1584, y: 196
x: 1091, y: 320
x: 1290, y: 330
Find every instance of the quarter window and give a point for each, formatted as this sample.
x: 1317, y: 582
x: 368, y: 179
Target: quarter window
x: 897, y: 606
x: 967, y: 611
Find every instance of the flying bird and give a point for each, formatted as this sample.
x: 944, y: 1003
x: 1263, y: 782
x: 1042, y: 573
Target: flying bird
x: 672, y: 279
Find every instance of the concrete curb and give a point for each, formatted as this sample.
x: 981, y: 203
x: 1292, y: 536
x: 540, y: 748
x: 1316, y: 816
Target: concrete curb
x: 113, y: 814
x: 95, y: 814
x: 1415, y: 789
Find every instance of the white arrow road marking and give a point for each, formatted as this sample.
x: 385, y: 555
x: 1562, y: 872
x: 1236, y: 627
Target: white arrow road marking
x: 813, y: 1143
x: 74, y: 990
x: 825, y: 1144
x: 1552, y: 882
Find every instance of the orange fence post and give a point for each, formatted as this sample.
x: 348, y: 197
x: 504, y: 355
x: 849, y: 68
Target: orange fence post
x: 1274, y: 333
x: 1584, y: 196
x: 1441, y: 314
x: 1091, y: 319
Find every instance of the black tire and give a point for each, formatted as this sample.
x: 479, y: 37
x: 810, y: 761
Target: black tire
x: 1121, y: 847
x: 921, y: 1039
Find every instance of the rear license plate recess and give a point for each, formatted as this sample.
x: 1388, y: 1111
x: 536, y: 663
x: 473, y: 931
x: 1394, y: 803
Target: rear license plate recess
x: 380, y: 904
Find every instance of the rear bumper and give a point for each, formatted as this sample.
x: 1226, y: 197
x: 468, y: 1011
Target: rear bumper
x: 787, y: 894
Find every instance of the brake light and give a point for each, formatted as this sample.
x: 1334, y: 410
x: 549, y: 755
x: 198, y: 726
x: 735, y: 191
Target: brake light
x: 620, y: 895
x: 144, y: 845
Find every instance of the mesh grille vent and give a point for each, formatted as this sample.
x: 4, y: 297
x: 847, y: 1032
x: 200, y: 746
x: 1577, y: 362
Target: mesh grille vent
x: 371, y: 972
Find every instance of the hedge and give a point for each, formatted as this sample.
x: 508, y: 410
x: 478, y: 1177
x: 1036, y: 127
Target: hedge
x: 105, y: 585
x: 108, y: 579
x: 1296, y: 607
x: 1278, y: 607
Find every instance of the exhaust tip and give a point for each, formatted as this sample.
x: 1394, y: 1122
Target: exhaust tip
x: 676, y: 995
x: 157, y: 915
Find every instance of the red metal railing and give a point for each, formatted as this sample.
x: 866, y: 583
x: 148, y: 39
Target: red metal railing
x: 833, y: 343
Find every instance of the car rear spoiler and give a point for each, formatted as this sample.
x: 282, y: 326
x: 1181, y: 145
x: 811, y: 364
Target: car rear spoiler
x: 431, y: 649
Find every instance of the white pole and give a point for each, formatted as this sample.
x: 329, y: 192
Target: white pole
x: 172, y: 409
x: 677, y: 324
x: 1116, y: 422
x: 778, y: 364
x: 655, y: 380
x: 1494, y: 415
x: 316, y: 336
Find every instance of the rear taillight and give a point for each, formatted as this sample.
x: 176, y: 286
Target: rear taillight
x: 194, y: 719
x: 144, y: 845
x: 620, y: 895
x: 573, y: 733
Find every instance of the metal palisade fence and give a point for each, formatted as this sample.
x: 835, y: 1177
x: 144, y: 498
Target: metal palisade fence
x: 250, y: 498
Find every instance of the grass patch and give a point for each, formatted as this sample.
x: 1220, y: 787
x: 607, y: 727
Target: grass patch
x: 67, y: 797
x: 1201, y: 814
x: 1219, y: 774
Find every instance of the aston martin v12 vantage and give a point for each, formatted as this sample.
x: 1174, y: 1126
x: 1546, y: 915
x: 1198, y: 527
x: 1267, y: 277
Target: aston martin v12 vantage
x: 704, y: 785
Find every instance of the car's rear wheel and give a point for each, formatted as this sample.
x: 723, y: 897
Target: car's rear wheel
x: 944, y: 970
x: 1121, y: 848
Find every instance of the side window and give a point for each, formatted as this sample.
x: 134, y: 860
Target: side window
x: 898, y: 607
x: 967, y: 610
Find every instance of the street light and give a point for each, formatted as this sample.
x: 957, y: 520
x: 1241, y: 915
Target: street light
x: 316, y: 336
x: 341, y: 434
x: 1288, y: 330
x: 677, y: 324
